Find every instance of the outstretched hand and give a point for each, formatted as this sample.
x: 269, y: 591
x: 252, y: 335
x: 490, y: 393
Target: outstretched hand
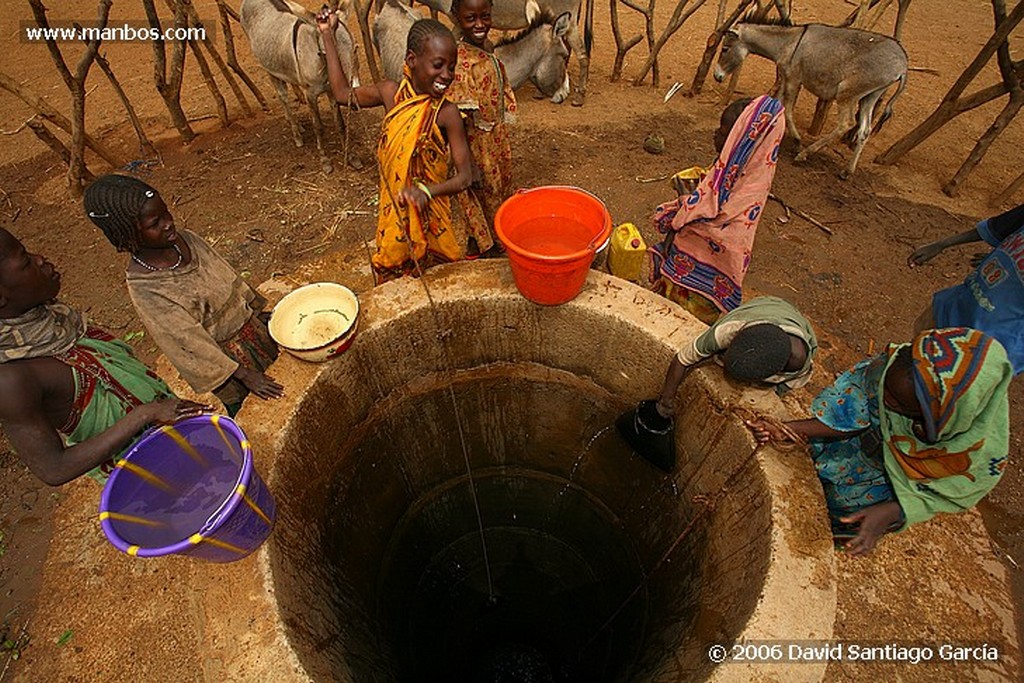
x: 924, y: 255
x: 765, y: 431
x: 170, y: 410
x: 874, y: 522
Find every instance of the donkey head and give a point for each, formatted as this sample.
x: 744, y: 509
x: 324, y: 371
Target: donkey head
x: 551, y: 73
x: 732, y: 54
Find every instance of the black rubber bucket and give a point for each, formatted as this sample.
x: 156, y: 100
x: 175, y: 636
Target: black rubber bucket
x: 652, y: 436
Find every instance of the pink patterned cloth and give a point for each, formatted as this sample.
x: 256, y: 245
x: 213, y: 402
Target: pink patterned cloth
x: 713, y: 228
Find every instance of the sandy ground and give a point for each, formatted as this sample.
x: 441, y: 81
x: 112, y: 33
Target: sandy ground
x: 268, y: 208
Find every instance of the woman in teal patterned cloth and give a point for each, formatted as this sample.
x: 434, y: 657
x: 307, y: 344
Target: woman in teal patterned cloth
x: 919, y: 429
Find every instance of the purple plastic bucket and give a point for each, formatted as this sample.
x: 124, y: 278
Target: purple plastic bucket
x: 190, y: 489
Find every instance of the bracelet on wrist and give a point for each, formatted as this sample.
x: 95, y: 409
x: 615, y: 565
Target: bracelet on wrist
x: 424, y: 189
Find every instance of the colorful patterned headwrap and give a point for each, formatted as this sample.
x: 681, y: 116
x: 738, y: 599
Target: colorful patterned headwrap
x: 958, y: 450
x: 948, y: 364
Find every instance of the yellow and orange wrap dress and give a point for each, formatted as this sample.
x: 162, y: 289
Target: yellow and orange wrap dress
x: 412, y: 148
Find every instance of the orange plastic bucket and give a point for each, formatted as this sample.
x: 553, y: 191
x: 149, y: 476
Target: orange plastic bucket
x: 552, y: 234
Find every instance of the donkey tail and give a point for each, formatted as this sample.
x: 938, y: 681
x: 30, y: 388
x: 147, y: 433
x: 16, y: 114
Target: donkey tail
x: 887, y: 112
x: 588, y: 27
x: 296, y: 26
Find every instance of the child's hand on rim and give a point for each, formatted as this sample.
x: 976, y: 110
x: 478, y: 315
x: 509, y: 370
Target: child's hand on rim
x: 260, y: 384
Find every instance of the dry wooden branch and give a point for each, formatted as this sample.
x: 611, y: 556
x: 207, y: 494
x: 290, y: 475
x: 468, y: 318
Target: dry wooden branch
x: 621, y: 46
x: 802, y: 214
x: 952, y: 188
x: 230, y: 11
x: 23, y: 126
x: 76, y: 85
x: 953, y: 103
x: 712, y: 47
x: 1009, y: 71
x: 169, y: 85
x: 820, y: 113
x: 1006, y: 67
x: 306, y: 250
x: 192, y: 20
x: 229, y: 46
x: 734, y: 78
x: 867, y: 16
x: 1011, y: 189
x: 676, y: 21
x: 211, y: 49
x: 43, y: 108
x: 50, y: 140
x: 211, y: 84
x: 649, y: 33
x: 145, y: 145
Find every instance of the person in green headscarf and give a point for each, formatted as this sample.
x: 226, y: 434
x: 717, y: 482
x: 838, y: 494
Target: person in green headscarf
x: 919, y: 429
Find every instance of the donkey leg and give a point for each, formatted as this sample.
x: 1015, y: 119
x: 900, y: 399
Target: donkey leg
x: 576, y: 46
x: 867, y: 107
x: 318, y: 131
x: 363, y: 18
x: 790, y: 92
x: 282, y: 94
x: 347, y: 136
x: 847, y: 118
x: 820, y: 114
x: 581, y: 90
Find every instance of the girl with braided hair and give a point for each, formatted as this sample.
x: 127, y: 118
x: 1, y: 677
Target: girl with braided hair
x: 419, y: 129
x: 205, y: 318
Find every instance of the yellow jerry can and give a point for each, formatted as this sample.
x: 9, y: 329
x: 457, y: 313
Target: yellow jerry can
x: 626, y: 255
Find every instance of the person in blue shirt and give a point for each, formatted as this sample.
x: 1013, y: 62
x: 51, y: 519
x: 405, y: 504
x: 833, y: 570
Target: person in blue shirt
x: 991, y: 299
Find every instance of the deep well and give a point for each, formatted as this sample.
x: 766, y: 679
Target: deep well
x: 376, y: 568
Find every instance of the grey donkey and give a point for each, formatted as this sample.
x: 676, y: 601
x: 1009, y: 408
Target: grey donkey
x: 512, y: 15
x: 852, y: 67
x: 537, y: 53
x: 285, y: 40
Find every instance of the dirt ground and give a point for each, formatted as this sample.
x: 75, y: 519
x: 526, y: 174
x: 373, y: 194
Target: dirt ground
x: 269, y: 209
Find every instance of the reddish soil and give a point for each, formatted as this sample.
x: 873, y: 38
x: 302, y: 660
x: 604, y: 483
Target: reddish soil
x: 269, y: 209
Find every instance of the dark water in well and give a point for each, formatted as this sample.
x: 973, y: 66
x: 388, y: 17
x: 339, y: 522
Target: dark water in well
x: 573, y: 521
x: 549, y: 603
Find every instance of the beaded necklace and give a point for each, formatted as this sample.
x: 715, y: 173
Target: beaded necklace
x: 148, y: 267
